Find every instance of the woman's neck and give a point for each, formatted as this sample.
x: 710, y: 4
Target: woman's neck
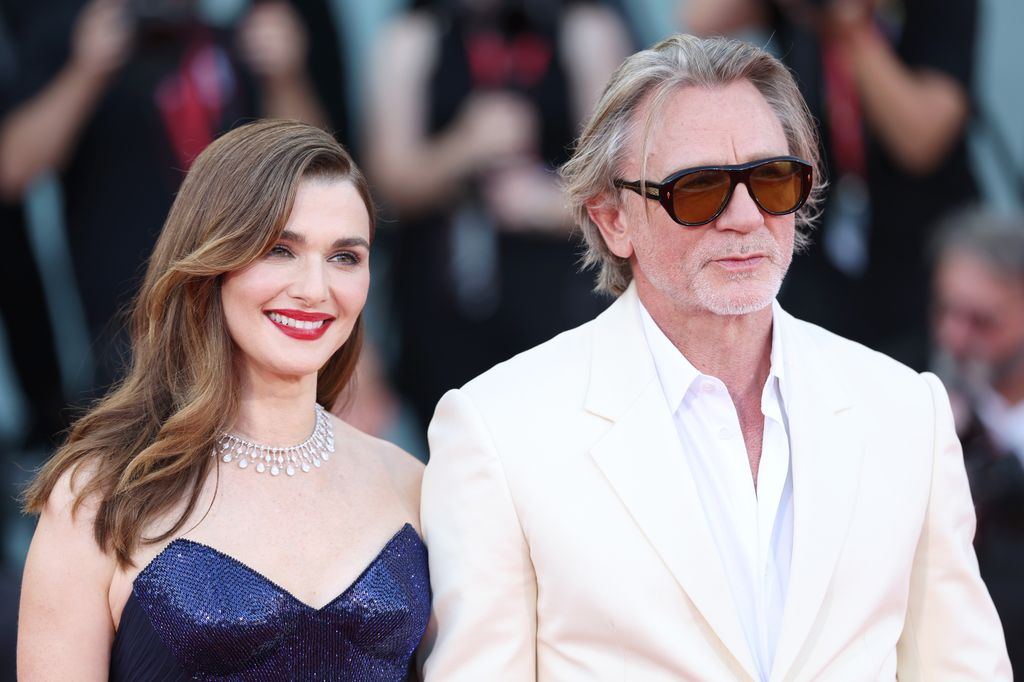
x: 275, y: 411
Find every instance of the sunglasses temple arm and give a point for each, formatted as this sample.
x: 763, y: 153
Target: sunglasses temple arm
x: 652, y: 191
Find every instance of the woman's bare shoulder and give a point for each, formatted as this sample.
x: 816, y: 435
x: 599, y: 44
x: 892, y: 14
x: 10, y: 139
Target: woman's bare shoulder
x: 66, y: 530
x: 69, y: 507
x: 64, y: 596
x: 405, y: 470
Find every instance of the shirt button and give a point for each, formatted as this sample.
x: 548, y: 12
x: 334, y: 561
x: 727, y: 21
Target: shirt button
x: 708, y: 387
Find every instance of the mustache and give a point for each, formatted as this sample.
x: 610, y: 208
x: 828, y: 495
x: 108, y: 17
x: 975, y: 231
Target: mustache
x: 739, y: 247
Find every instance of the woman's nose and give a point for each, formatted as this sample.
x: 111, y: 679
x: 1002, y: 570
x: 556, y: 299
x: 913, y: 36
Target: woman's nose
x: 311, y: 282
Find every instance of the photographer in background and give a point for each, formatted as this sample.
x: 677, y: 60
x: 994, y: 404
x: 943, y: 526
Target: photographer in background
x: 472, y: 105
x: 889, y: 81
x: 23, y: 307
x: 978, y: 330
x: 118, y: 97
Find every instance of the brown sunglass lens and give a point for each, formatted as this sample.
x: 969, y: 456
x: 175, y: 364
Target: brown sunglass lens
x: 698, y: 196
x: 778, y: 186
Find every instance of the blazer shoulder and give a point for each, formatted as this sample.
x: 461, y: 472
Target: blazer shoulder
x: 555, y: 365
x: 870, y: 375
x: 851, y: 355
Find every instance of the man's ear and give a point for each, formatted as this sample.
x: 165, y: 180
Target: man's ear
x: 613, y: 222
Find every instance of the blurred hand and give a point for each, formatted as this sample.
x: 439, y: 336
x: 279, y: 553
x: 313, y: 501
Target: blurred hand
x: 273, y: 41
x: 102, y: 38
x: 831, y: 18
x: 494, y: 126
x: 845, y: 16
x: 524, y: 196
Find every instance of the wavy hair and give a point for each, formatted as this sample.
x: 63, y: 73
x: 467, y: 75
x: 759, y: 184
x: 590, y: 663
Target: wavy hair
x: 146, y: 445
x: 612, y: 133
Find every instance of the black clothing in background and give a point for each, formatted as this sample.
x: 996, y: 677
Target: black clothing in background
x: 23, y: 305
x: 31, y: 350
x: 997, y: 486
x: 886, y: 308
x: 26, y: 319
x: 125, y: 168
x: 468, y: 293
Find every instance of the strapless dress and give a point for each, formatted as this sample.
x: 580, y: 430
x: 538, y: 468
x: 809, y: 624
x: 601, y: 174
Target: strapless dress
x: 198, y: 614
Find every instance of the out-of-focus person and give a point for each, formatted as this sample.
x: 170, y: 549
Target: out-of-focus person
x: 890, y: 83
x: 23, y: 305
x: 978, y: 331
x: 208, y: 519
x: 118, y: 97
x: 473, y: 104
x: 30, y: 346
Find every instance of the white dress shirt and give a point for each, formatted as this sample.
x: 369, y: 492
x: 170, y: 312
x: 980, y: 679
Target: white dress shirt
x: 753, y: 529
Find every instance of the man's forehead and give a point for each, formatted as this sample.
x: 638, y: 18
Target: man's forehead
x: 698, y: 126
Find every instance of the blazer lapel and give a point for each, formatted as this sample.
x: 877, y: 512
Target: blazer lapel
x: 642, y: 459
x: 826, y: 452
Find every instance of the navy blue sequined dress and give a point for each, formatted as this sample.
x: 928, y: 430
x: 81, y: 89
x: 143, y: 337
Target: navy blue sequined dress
x: 196, y: 613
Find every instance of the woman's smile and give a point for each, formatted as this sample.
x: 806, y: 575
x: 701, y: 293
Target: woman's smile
x: 306, y: 326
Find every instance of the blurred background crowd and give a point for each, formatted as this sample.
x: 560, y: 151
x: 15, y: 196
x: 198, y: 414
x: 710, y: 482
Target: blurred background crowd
x: 460, y: 111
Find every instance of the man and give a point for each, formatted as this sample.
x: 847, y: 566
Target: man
x: 695, y: 485
x: 978, y: 325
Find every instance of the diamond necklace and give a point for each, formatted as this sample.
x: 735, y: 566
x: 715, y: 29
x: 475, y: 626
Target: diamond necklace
x: 309, y: 453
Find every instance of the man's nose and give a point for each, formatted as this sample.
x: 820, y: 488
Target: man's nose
x: 953, y: 333
x: 741, y: 214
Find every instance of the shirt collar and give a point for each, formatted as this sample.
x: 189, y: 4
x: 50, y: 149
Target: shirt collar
x: 677, y: 374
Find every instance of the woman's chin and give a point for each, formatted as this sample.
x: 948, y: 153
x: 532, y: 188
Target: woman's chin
x: 285, y: 372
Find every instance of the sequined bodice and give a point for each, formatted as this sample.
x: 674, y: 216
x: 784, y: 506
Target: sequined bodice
x: 222, y: 620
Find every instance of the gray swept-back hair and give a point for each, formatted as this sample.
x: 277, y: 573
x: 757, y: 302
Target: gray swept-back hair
x: 994, y: 236
x: 609, y: 137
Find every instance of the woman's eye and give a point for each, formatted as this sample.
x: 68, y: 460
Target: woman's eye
x: 279, y: 250
x: 346, y: 258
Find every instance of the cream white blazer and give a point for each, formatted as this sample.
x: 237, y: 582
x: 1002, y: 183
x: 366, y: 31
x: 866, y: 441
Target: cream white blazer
x: 567, y: 540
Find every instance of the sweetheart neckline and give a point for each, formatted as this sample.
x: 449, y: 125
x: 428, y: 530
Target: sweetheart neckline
x: 249, y: 569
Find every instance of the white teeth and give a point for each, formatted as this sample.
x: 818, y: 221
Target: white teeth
x: 297, y: 324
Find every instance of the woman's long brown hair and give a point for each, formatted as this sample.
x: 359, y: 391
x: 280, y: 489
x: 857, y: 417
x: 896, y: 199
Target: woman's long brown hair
x: 146, y: 445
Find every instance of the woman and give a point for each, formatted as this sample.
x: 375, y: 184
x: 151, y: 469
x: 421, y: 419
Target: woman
x: 191, y: 527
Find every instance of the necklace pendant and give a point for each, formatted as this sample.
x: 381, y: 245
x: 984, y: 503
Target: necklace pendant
x: 312, y: 452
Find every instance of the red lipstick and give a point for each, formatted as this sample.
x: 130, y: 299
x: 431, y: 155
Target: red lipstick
x: 301, y: 316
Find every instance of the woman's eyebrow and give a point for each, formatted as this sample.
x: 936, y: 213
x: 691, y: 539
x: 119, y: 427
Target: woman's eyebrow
x: 344, y: 242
